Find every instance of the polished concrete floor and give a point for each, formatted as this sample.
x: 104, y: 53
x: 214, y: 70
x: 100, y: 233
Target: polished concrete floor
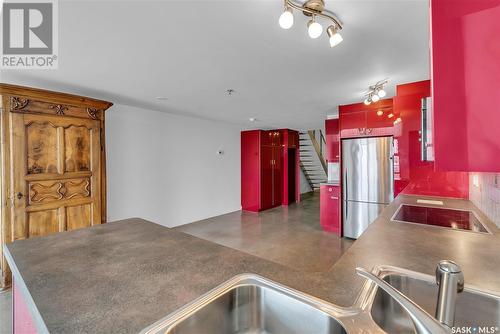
x: 5, y: 312
x: 291, y: 235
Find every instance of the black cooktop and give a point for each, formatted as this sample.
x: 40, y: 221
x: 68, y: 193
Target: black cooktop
x: 450, y: 218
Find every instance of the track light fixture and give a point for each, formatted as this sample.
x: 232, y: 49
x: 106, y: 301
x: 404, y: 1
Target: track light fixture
x: 286, y: 19
x: 314, y: 9
x: 314, y: 29
x: 334, y: 35
x: 376, y: 92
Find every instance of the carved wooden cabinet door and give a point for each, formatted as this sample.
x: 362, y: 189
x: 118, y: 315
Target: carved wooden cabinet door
x: 56, y: 174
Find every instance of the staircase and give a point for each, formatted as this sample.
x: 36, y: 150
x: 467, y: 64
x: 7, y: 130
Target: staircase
x: 312, y: 161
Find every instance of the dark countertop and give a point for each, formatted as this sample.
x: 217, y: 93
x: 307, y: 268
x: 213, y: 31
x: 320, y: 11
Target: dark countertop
x: 123, y: 276
x: 420, y: 248
x: 330, y: 183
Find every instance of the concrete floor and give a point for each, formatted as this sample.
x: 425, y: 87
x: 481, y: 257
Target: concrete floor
x: 291, y: 235
x: 5, y: 312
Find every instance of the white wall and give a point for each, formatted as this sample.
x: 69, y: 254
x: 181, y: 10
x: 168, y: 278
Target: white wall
x: 304, y: 184
x: 484, y: 192
x: 165, y: 168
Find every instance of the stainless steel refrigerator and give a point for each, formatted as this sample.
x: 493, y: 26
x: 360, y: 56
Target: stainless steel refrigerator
x: 368, y: 181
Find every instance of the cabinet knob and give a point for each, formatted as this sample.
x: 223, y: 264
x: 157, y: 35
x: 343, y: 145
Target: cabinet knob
x: 19, y: 195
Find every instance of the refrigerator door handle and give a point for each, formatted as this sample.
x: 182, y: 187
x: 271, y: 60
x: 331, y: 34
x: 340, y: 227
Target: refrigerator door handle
x: 345, y: 197
x: 345, y: 184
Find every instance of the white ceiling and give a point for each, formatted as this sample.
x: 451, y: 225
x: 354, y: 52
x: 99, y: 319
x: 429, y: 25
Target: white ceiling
x: 130, y: 52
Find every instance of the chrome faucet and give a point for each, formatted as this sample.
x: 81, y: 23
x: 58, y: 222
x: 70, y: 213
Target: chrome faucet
x: 424, y: 322
x: 450, y: 279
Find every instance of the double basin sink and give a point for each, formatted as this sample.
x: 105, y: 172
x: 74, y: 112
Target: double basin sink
x: 252, y: 304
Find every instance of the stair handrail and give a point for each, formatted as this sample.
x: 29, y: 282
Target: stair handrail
x: 321, y: 142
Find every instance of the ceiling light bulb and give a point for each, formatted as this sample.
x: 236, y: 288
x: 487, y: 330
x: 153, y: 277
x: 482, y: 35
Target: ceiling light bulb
x: 367, y: 101
x: 391, y: 115
x: 380, y: 113
x: 381, y: 93
x: 375, y: 98
x: 335, y: 37
x: 314, y: 29
x: 286, y: 19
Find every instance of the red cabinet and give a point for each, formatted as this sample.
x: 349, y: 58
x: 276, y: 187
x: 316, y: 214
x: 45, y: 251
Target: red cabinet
x: 411, y: 174
x: 360, y: 120
x: 332, y: 134
x: 330, y: 208
x: 290, y: 167
x: 401, y: 117
x: 272, y: 138
x: 22, y: 319
x: 269, y: 169
x: 465, y: 73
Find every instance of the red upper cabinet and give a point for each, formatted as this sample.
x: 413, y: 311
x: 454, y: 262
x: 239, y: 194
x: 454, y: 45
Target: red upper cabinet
x: 411, y: 174
x: 352, y: 123
x: 332, y: 131
x: 465, y: 71
x: 360, y: 120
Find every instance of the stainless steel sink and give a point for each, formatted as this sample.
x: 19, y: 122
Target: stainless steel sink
x: 252, y: 304
x: 474, y: 308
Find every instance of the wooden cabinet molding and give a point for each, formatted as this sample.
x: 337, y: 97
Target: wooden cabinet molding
x: 53, y: 168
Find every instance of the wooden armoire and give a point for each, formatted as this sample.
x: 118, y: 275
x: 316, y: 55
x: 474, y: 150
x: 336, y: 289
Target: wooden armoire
x: 53, y: 175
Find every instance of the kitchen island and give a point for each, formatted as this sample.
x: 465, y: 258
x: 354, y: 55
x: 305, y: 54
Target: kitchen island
x: 123, y: 276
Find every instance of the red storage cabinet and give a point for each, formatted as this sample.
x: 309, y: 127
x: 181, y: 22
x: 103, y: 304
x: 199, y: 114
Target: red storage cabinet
x: 411, y: 174
x: 329, y: 215
x: 269, y: 169
x: 414, y: 176
x: 465, y: 73
x: 360, y: 120
x: 332, y: 131
x: 251, y: 171
x: 352, y: 123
